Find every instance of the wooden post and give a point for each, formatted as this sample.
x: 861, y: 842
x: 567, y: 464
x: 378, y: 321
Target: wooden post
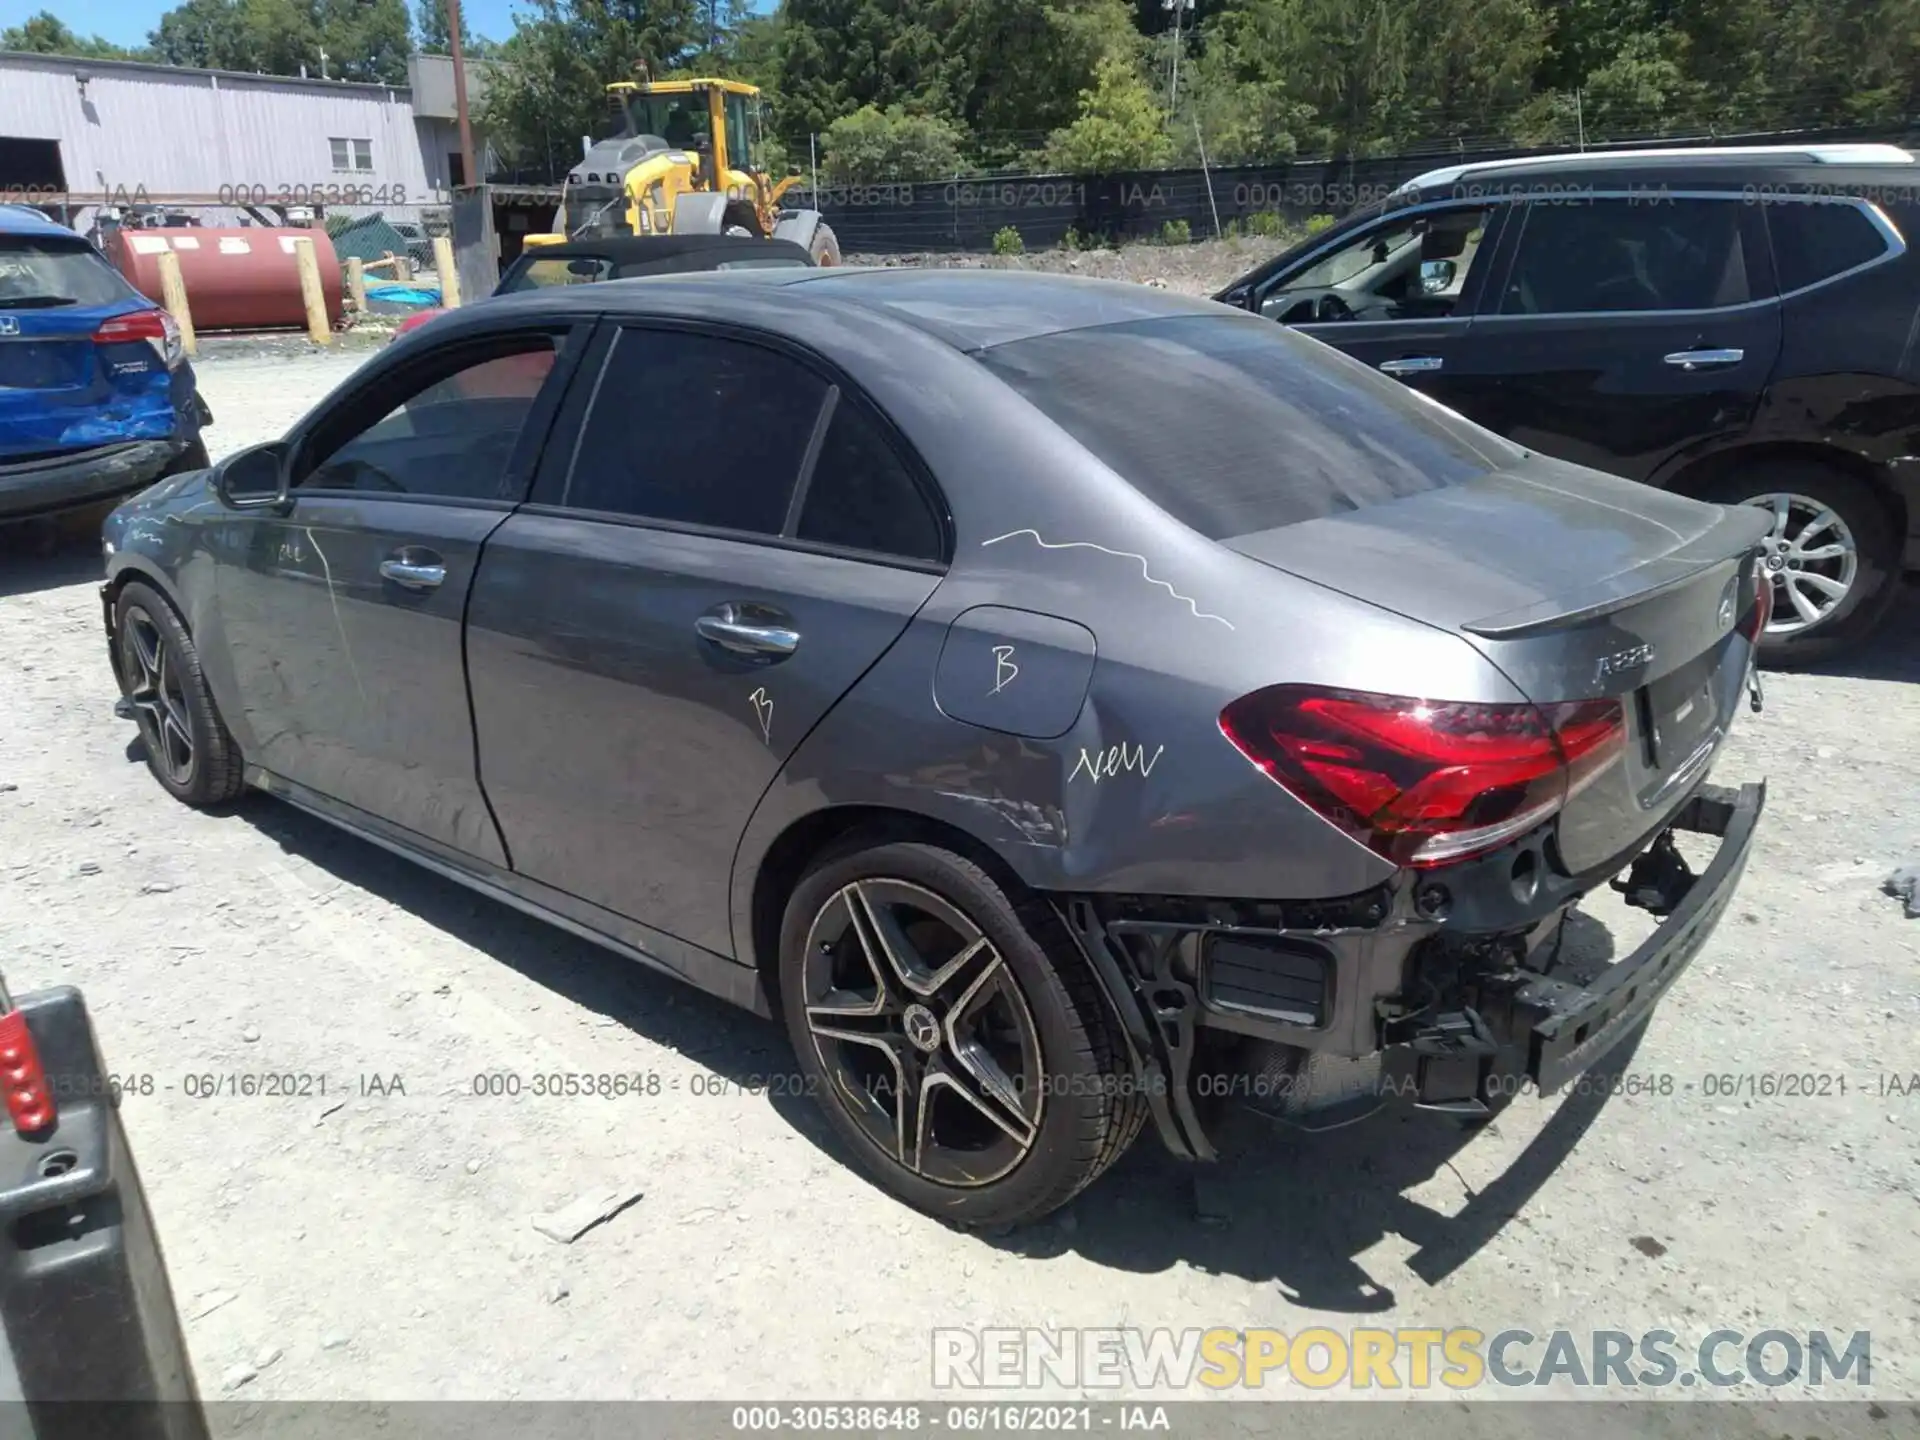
x: 449, y: 277
x: 318, y: 330
x: 403, y: 269
x: 357, y: 283
x: 173, y: 294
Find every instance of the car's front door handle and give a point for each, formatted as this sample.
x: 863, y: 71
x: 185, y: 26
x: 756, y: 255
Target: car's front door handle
x: 1705, y: 359
x: 731, y: 628
x: 416, y: 572
x: 1412, y: 365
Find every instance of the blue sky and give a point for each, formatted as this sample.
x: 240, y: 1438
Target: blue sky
x: 126, y: 22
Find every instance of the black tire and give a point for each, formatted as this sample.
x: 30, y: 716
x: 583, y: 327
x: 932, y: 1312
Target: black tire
x: 159, y: 671
x: 825, y: 246
x: 1082, y: 1105
x: 1874, y: 585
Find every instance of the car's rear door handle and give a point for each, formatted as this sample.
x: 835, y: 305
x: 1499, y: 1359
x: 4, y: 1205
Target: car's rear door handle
x: 414, y: 568
x: 756, y: 632
x: 1705, y: 359
x: 1412, y: 365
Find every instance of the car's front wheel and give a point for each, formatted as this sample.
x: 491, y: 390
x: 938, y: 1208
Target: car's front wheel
x: 1832, y: 556
x: 188, y: 747
x: 957, y: 1044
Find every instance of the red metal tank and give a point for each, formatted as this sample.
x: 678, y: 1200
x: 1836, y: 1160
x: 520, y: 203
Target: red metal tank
x: 245, y: 278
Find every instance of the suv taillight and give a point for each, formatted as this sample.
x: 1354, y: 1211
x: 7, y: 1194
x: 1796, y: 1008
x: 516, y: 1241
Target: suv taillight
x: 1424, y: 782
x: 156, y: 327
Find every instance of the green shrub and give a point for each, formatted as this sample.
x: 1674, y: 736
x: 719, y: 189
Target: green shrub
x: 1265, y: 225
x: 1317, y: 223
x: 874, y: 146
x: 1007, y: 241
x: 1176, y: 232
x: 1073, y: 240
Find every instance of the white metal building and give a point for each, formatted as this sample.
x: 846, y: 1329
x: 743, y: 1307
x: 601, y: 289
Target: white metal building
x: 119, y: 128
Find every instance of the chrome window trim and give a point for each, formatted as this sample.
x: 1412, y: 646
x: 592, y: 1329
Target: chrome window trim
x: 1837, y: 154
x: 1896, y: 247
x: 1878, y: 218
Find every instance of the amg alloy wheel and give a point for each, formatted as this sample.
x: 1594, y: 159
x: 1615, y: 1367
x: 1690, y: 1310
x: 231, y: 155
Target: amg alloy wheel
x: 917, y: 1021
x: 188, y: 747
x: 952, y: 1033
x: 1812, y: 558
x: 154, y: 690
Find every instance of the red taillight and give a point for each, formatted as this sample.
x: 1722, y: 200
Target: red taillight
x: 1754, y: 622
x: 1424, y: 782
x: 156, y: 327
x: 29, y: 1101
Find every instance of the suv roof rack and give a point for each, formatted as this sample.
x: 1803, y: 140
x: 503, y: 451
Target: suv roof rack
x: 1858, y: 154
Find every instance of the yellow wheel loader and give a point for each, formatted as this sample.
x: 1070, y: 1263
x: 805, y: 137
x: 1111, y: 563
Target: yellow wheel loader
x: 684, y: 161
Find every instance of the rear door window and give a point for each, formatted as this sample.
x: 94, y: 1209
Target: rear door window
x: 861, y: 496
x: 1815, y: 240
x: 696, y: 429
x: 39, y: 272
x: 1233, y: 425
x: 1638, y: 254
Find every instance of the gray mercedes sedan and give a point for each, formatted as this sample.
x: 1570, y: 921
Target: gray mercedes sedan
x: 1063, y: 704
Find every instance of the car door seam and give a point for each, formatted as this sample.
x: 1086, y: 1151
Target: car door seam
x: 565, y: 380
x: 733, y: 869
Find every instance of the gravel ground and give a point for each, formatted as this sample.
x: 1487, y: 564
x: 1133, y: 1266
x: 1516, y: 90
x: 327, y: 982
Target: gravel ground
x: 1202, y: 268
x: 377, y: 1240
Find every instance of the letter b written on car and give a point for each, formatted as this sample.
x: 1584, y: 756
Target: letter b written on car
x: 254, y: 478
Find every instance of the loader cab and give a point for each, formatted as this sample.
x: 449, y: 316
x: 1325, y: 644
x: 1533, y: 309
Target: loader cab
x: 720, y: 118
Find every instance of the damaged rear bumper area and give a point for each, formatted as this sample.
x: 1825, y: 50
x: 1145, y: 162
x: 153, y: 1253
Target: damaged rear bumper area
x: 1440, y: 989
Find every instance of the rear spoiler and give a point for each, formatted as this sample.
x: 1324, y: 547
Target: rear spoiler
x: 1736, y: 533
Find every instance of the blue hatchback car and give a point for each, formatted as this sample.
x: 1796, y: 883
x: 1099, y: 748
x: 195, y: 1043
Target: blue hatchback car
x: 97, y: 399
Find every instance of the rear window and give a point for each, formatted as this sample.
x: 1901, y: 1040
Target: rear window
x: 1233, y: 426
x: 1816, y: 240
x: 539, y: 274
x: 40, y: 271
x: 777, y: 262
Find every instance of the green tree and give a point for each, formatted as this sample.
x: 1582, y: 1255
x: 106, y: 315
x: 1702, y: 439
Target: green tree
x: 1025, y: 64
x: 1120, y: 126
x: 206, y: 34
x: 873, y: 145
x: 45, y: 33
x: 837, y: 56
x: 550, y: 86
x: 433, y: 37
x: 364, y: 40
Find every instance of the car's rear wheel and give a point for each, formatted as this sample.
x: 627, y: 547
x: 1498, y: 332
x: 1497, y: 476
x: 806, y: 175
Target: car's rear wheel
x: 956, y: 1042
x: 1832, y: 557
x: 189, y: 749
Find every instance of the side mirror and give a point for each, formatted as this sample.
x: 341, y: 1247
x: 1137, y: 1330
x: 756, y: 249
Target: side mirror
x: 254, y: 478
x: 1436, y: 276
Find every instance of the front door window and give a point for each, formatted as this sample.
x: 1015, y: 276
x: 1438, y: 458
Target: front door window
x: 1410, y: 267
